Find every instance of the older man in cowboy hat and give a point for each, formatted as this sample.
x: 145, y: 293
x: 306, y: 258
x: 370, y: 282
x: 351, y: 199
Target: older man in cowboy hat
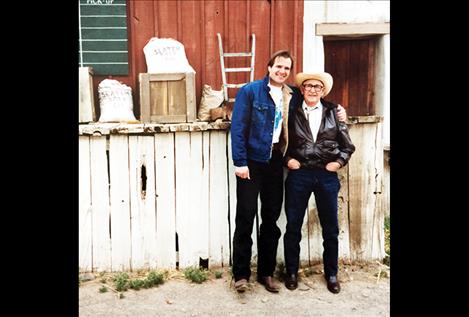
x: 319, y: 145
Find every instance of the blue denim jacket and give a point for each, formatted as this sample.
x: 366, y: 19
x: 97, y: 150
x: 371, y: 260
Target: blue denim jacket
x: 252, y: 122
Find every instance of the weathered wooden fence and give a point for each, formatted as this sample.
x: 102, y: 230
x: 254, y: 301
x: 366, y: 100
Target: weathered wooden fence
x: 157, y: 196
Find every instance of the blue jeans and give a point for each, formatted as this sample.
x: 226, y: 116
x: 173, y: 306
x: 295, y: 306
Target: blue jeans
x: 299, y: 185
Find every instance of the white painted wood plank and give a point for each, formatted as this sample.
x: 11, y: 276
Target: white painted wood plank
x: 182, y: 154
x: 232, y: 196
x: 218, y: 202
x: 198, y: 212
x: 255, y: 233
x: 86, y: 112
x: 344, y: 230
x: 377, y: 250
x: 120, y: 202
x: 204, y: 218
x: 84, y: 207
x: 142, y: 202
x: 165, y: 201
x: 282, y: 224
x: 331, y: 29
x: 188, y: 178
x: 304, y: 243
x: 100, y: 205
x: 365, y: 244
x: 358, y: 184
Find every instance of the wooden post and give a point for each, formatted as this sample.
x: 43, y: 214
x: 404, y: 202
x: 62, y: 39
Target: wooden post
x: 366, y: 217
x: 86, y: 110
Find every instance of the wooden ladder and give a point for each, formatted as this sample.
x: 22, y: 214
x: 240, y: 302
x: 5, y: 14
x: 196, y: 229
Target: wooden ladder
x: 225, y: 70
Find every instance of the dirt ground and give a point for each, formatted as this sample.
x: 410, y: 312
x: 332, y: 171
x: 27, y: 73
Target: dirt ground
x: 363, y: 294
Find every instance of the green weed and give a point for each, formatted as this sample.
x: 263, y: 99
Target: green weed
x: 154, y: 278
x: 136, y: 284
x: 387, y: 240
x: 195, y: 275
x: 122, y: 282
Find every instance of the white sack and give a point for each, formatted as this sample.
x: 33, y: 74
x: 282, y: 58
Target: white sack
x: 166, y: 56
x: 115, y: 101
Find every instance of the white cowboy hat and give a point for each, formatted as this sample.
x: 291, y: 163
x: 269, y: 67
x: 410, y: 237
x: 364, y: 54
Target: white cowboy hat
x: 325, y: 78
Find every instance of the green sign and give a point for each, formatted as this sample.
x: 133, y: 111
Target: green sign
x: 103, y: 36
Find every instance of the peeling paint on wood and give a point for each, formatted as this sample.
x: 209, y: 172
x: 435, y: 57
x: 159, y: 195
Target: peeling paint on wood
x: 99, y: 129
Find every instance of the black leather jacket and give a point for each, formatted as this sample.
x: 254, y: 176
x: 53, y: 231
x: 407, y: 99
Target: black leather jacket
x: 333, y: 140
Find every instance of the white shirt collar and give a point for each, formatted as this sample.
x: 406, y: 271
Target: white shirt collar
x: 306, y: 108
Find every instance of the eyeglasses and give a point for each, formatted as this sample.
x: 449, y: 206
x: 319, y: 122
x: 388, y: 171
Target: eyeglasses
x: 317, y: 88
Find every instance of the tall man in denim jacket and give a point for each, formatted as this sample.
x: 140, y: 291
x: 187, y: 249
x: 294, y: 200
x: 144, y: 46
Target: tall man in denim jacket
x: 259, y: 140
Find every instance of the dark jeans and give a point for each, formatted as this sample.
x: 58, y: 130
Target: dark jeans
x: 299, y: 185
x: 266, y: 179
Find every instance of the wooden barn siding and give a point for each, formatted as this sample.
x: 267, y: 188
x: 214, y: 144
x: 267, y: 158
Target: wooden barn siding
x: 190, y: 189
x: 276, y: 24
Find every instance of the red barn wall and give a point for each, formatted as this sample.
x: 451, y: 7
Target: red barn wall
x: 276, y: 24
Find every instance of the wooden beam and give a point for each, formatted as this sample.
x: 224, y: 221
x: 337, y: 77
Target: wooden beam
x: 99, y: 128
x: 352, y: 28
x: 364, y: 119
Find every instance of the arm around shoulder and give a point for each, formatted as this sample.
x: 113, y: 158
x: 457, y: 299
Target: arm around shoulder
x: 345, y: 144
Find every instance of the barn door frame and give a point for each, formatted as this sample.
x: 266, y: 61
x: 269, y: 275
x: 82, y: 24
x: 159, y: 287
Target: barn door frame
x: 380, y: 31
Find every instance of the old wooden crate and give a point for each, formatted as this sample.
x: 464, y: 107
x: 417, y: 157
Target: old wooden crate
x: 167, y: 98
x: 86, y: 111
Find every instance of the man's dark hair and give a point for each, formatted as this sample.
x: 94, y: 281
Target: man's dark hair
x: 282, y: 53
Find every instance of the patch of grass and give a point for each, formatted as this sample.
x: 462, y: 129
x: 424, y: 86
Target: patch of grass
x: 387, y: 234
x: 103, y: 289
x: 154, y: 278
x: 122, y: 282
x: 195, y: 275
x: 136, y: 284
x: 218, y: 274
x: 387, y: 238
